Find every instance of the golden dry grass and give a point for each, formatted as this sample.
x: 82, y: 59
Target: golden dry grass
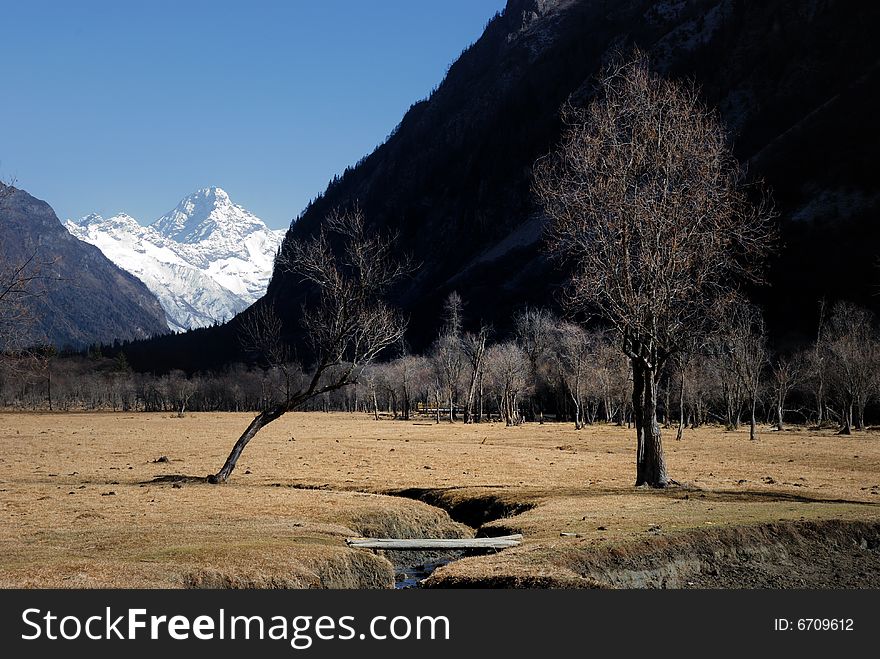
x: 62, y: 527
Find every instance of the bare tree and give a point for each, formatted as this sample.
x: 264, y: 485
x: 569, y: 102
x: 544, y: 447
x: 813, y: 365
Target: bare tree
x: 448, y: 351
x: 682, y: 366
x: 181, y: 389
x: 260, y: 334
x: 576, y: 353
x: 534, y: 329
x: 370, y: 377
x: 474, y: 347
x: 348, y: 324
x: 786, y: 370
x: 818, y: 366
x: 507, y: 366
x: 745, y: 341
x: 647, y: 204
x: 612, y: 373
x: 853, y: 349
x: 405, y: 372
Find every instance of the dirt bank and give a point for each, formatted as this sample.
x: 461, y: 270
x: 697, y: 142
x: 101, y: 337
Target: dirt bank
x: 809, y: 554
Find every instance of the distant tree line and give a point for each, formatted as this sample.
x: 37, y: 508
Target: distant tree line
x: 549, y: 369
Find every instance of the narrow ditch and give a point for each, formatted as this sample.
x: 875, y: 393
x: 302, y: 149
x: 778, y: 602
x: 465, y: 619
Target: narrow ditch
x: 412, y: 567
x: 473, y: 511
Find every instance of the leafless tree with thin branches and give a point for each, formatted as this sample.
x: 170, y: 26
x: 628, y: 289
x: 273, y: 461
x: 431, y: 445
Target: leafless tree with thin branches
x: 260, y: 334
x: 507, y: 368
x: 745, y: 342
x: 473, y: 345
x: 852, y: 345
x: 577, y: 356
x: 647, y: 205
x: 447, y: 351
x: 534, y: 328
x: 786, y: 371
x: 347, y: 322
x: 818, y: 367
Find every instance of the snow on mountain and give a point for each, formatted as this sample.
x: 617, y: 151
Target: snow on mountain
x: 206, y: 260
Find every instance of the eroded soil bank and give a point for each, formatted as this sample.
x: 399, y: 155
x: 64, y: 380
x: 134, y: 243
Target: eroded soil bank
x: 808, y: 554
x: 785, y: 554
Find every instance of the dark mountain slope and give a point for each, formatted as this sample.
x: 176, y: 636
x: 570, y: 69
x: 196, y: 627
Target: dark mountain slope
x: 795, y: 82
x: 84, y: 297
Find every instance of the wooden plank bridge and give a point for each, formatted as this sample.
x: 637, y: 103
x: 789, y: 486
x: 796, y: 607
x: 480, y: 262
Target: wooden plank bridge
x: 427, y: 544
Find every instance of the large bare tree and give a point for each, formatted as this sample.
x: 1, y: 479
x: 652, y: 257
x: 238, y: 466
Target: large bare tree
x: 347, y: 322
x: 649, y: 208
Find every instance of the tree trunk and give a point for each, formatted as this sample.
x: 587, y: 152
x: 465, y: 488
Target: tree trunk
x: 638, y: 398
x: 651, y: 469
x: 405, y: 405
x: 667, y: 419
x: 860, y: 413
x: 753, y: 433
x: 680, y: 432
x: 467, y: 417
x: 732, y: 414
x: 472, y: 391
x: 260, y: 421
x: 846, y: 419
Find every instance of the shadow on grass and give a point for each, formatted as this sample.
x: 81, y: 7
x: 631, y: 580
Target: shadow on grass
x: 179, y: 479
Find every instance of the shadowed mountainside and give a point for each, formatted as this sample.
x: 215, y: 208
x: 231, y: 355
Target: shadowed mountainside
x: 83, y: 298
x: 794, y: 82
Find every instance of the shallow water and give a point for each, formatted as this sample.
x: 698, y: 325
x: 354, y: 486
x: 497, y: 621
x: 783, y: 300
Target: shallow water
x: 410, y: 574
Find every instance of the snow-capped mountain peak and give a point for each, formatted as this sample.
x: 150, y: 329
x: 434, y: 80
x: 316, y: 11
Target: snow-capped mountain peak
x: 205, y: 260
x: 203, y: 214
x: 114, y: 224
x: 91, y: 218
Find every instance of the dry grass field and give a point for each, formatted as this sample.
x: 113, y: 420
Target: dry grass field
x: 80, y: 506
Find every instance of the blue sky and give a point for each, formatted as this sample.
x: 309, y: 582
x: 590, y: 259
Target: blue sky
x: 129, y: 106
